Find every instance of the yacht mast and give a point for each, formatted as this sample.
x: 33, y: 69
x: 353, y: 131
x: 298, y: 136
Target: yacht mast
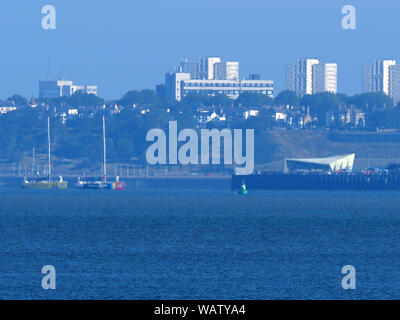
x: 33, y: 160
x: 48, y: 137
x: 104, y: 149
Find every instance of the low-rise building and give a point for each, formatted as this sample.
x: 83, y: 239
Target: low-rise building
x: 230, y: 88
x: 178, y: 85
x: 4, y: 110
x: 63, y: 88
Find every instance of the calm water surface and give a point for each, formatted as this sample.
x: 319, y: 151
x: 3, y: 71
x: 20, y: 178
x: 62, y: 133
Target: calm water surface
x: 198, y: 243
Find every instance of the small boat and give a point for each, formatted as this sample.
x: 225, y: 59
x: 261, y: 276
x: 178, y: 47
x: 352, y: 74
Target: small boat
x: 101, y: 183
x: 91, y: 183
x: 46, y: 182
x: 243, y: 189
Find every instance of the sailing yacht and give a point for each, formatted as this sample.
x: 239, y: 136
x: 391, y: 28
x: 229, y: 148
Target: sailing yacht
x: 46, y: 182
x: 101, y: 183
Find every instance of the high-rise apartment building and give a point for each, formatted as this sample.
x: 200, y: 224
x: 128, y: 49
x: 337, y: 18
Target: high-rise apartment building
x: 309, y: 76
x: 226, y: 71
x: 325, y: 78
x: 376, y: 76
x: 367, y: 78
x: 299, y: 76
x: 206, y: 67
x: 394, y: 83
x: 189, y: 67
x: 210, y: 68
x: 291, y: 77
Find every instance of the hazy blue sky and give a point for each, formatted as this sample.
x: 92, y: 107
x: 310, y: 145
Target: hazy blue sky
x: 122, y: 45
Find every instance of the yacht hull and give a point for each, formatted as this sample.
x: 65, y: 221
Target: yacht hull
x: 46, y: 185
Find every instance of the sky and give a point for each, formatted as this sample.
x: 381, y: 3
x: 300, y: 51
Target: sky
x: 124, y: 45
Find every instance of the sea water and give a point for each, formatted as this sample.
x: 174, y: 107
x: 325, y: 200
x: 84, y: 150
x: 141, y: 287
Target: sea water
x: 178, y: 241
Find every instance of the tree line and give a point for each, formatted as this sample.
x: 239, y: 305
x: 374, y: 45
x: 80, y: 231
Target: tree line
x: 80, y: 137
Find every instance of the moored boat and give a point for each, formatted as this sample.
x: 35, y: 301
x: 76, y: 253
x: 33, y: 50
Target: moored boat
x: 46, y: 182
x: 101, y: 183
x: 92, y: 183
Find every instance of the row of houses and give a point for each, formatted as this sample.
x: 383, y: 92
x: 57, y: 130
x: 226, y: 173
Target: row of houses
x: 281, y: 116
x: 284, y: 117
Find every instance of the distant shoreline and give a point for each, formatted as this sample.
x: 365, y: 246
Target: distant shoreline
x: 181, y: 177
x: 162, y: 182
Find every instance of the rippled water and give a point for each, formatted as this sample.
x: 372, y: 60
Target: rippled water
x: 197, y: 243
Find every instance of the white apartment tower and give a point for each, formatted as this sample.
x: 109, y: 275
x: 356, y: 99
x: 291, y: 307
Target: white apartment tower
x: 206, y: 67
x: 299, y: 76
x: 309, y: 76
x: 376, y: 76
x: 226, y: 71
x: 210, y: 68
x: 325, y: 78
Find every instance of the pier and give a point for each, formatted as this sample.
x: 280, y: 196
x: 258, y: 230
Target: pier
x: 343, y: 181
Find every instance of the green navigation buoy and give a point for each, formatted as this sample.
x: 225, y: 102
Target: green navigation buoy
x: 243, y: 189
